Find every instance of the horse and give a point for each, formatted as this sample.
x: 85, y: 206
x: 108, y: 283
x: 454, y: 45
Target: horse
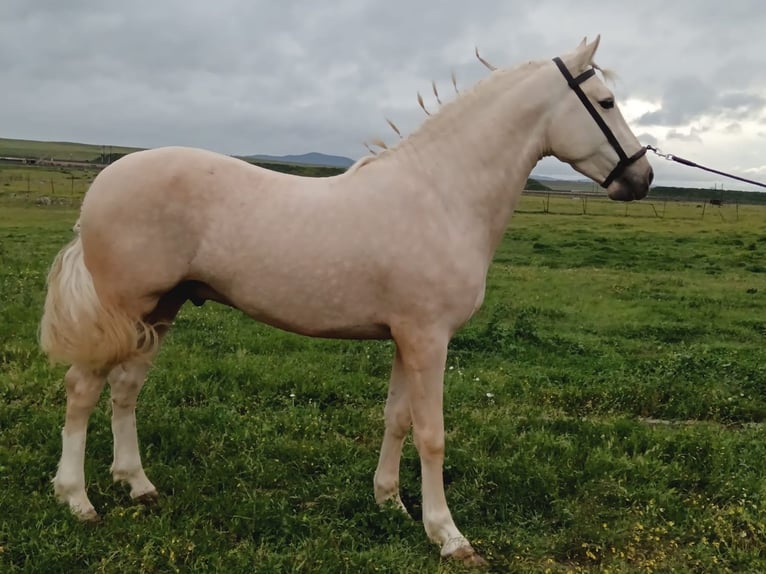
x: 397, y: 247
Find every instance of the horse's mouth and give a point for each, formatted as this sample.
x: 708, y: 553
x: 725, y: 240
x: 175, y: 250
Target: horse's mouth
x: 629, y: 187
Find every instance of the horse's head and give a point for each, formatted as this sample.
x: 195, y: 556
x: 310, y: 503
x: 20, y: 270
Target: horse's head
x: 587, y: 129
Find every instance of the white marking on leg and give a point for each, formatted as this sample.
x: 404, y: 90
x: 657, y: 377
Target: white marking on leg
x: 125, y: 383
x: 83, y: 389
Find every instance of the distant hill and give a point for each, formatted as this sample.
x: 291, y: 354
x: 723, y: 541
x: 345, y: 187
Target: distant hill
x: 312, y: 158
x: 59, y: 150
x: 576, y: 185
x: 703, y: 195
x: 316, y: 164
x: 658, y: 192
x: 535, y: 185
x: 103, y: 153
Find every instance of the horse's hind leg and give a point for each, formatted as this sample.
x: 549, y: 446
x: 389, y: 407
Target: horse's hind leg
x: 83, y: 389
x: 125, y: 382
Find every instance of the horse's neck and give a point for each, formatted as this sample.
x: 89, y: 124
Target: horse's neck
x: 478, y: 152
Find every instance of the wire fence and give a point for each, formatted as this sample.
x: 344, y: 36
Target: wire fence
x: 67, y: 186
x: 595, y: 204
x: 45, y: 186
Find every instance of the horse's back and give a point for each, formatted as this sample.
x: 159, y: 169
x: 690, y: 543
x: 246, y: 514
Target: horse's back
x: 171, y: 173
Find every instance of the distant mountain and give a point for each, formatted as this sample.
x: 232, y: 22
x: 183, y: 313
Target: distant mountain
x: 549, y: 178
x: 312, y: 158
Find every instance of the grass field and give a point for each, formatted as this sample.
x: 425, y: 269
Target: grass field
x: 59, y: 150
x: 56, y: 185
x: 604, y: 410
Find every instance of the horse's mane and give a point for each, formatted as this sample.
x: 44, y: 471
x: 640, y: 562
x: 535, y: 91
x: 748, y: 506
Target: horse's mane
x: 445, y: 108
x: 609, y: 76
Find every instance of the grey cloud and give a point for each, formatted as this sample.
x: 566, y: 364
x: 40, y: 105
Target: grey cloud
x: 692, y: 136
x: 647, y: 138
x: 689, y: 98
x: 741, y: 105
x: 741, y: 100
x: 243, y: 76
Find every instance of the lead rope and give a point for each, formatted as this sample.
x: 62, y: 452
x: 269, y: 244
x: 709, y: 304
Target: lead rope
x: 677, y: 159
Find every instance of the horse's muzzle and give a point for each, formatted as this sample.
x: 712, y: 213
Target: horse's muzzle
x: 633, y: 184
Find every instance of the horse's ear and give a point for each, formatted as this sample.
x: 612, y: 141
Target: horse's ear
x: 594, y: 45
x: 585, y: 52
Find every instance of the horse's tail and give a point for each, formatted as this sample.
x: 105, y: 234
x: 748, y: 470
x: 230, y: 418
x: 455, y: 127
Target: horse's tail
x: 78, y: 328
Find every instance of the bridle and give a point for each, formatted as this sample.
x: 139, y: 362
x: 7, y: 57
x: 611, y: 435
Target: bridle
x: 625, y: 160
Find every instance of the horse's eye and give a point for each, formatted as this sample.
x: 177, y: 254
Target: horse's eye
x: 607, y: 104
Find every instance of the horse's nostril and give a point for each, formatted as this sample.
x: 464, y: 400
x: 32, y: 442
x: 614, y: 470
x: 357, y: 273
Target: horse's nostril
x: 651, y: 176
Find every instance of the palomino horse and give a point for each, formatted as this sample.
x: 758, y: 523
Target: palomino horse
x: 397, y: 247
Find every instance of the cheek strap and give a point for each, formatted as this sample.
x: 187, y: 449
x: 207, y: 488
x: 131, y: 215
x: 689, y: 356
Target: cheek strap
x: 625, y: 160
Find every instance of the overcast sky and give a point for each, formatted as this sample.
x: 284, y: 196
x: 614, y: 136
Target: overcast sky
x: 250, y: 76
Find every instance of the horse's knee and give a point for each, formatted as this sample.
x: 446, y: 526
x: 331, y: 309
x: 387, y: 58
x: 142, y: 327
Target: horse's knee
x: 82, y: 388
x: 125, y: 382
x: 386, y: 485
x: 430, y: 444
x: 397, y: 421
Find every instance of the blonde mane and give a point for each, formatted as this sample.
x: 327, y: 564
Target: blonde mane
x: 609, y: 76
x: 385, y: 149
x: 462, y: 97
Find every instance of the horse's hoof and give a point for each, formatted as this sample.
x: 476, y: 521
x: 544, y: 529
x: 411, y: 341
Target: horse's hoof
x: 467, y: 556
x: 90, y: 516
x: 150, y: 498
x: 84, y: 512
x: 474, y: 561
x: 395, y: 503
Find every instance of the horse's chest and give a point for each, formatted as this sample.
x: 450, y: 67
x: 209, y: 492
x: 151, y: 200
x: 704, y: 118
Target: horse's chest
x: 458, y: 294
x: 479, y: 297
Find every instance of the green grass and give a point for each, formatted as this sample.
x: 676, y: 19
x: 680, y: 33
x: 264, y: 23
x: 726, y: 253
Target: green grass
x: 687, y: 194
x: 604, y: 410
x: 57, y: 150
x: 54, y: 185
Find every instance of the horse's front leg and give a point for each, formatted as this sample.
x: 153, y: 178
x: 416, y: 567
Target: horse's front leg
x: 397, y: 420
x: 423, y: 357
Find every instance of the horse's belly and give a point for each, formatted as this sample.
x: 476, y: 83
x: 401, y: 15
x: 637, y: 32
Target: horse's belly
x: 361, y: 331
x: 323, y: 327
x: 316, y: 316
